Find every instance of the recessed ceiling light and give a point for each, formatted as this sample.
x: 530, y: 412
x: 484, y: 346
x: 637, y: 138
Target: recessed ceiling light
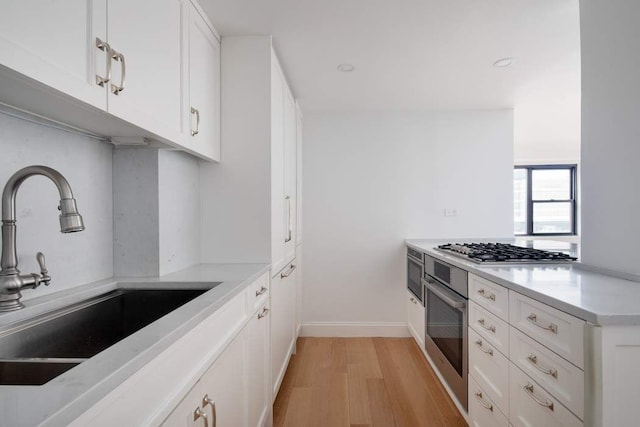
x: 504, y: 62
x: 346, y: 68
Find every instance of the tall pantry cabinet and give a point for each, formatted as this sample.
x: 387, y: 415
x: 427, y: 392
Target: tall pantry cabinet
x: 249, y: 200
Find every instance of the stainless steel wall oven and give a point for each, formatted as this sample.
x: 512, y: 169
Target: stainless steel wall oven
x: 446, y: 322
x: 415, y: 273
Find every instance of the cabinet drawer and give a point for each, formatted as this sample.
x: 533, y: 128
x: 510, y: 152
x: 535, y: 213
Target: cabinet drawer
x: 562, y: 379
x: 483, y: 412
x: 490, y: 369
x: 489, y: 295
x: 490, y: 327
x: 258, y: 292
x: 553, y: 328
x: 531, y: 405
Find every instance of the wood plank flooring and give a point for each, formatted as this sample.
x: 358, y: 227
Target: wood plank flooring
x: 358, y: 382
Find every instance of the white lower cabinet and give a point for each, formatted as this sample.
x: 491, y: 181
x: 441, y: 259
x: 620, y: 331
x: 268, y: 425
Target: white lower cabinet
x: 563, y: 379
x: 490, y: 368
x: 531, y: 405
x: 525, y: 360
x: 415, y: 318
x: 220, y: 397
x: 283, y: 300
x: 483, y: 412
x: 259, y: 368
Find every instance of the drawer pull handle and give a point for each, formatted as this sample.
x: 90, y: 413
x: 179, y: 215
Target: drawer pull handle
x: 533, y: 359
x: 489, y: 406
x: 265, y: 310
x: 482, y: 293
x: 288, y: 273
x: 199, y: 413
x: 261, y: 291
x: 488, y: 328
x: 488, y: 351
x: 206, y: 400
x: 529, y: 389
x: 534, y: 319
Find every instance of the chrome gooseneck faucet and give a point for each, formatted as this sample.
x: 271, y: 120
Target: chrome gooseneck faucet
x: 11, y: 281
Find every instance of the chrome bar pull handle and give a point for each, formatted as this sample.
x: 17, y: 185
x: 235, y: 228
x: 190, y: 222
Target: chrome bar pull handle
x: 488, y: 328
x: 289, y: 226
x: 265, y: 310
x: 196, y: 112
x: 104, y: 46
x: 482, y: 402
x: 533, y: 359
x: 288, y: 272
x: 261, y: 291
x: 199, y: 413
x: 206, y: 400
x: 488, y: 351
x: 483, y: 293
x: 529, y: 389
x: 534, y: 319
x: 118, y: 57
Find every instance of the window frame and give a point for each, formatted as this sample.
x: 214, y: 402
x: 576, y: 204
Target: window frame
x: 573, y: 198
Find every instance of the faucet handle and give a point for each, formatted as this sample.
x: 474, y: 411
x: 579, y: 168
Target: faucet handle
x: 43, y: 269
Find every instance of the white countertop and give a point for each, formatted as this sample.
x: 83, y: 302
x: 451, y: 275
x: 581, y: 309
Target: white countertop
x: 597, y: 298
x: 67, y: 396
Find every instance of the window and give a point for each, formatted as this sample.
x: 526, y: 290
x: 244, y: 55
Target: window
x: 544, y: 200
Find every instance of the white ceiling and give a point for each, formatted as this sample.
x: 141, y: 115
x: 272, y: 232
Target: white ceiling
x: 415, y: 54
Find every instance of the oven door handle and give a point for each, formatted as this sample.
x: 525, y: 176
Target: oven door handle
x: 429, y: 283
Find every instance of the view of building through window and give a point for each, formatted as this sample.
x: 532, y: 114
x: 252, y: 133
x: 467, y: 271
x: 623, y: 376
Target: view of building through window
x: 544, y: 199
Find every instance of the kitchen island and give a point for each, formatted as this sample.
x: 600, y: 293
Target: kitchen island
x: 549, y: 344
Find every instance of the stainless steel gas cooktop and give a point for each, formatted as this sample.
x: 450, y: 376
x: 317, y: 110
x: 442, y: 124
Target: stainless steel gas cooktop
x: 500, y: 253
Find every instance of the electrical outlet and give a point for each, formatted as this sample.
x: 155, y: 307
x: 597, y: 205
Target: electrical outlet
x: 450, y: 212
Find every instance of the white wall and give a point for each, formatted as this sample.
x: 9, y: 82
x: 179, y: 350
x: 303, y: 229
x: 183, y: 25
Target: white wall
x: 547, y: 112
x: 610, y: 134
x: 72, y: 259
x: 373, y: 179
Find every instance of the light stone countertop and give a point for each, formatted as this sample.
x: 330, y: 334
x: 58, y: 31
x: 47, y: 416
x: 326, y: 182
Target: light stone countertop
x: 595, y: 297
x: 69, y: 395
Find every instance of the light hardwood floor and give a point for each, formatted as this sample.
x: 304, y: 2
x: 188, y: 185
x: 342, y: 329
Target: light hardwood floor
x: 358, y: 382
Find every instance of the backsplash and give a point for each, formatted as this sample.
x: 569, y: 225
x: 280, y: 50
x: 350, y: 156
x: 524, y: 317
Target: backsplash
x: 72, y: 259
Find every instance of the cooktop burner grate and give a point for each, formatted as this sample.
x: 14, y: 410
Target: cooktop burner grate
x: 504, y: 252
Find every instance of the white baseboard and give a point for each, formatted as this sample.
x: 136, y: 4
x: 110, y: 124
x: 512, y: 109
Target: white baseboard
x: 355, y: 329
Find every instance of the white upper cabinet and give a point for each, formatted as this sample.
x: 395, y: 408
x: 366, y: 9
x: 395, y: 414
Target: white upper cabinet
x: 144, y: 66
x: 146, y: 37
x: 203, y: 109
x: 54, y: 43
x: 299, y: 174
x: 278, y: 201
x: 290, y: 175
x: 283, y: 170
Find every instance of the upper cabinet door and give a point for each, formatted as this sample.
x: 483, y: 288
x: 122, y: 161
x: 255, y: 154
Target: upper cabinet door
x: 279, y: 202
x: 147, y: 82
x: 54, y: 43
x: 290, y: 160
x: 298, y: 175
x: 204, y: 88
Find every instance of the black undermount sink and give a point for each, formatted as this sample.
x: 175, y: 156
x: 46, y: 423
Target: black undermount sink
x: 42, y: 348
